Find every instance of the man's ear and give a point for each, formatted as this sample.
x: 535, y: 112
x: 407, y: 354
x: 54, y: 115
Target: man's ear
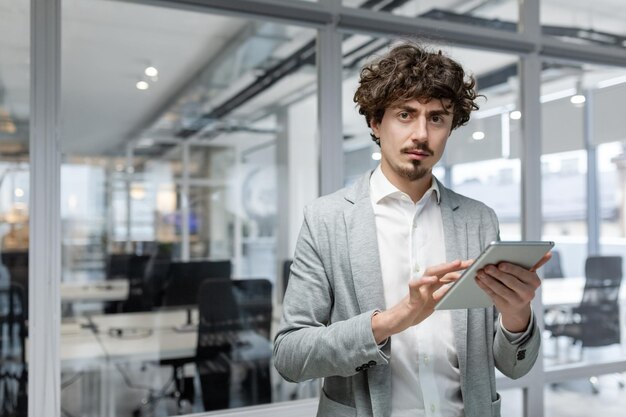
x: 374, y: 125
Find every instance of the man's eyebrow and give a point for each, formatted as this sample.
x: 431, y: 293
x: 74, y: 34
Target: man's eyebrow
x: 435, y: 112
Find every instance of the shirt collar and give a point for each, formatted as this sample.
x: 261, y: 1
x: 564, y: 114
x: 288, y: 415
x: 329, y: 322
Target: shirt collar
x: 381, y: 187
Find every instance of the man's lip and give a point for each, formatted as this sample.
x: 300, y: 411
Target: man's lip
x: 419, y: 153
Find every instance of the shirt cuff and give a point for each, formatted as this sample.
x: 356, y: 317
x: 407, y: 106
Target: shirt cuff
x: 384, y: 342
x: 518, y: 338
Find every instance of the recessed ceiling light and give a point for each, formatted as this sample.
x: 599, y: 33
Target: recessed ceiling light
x: 577, y: 99
x: 142, y: 85
x: 515, y: 115
x: 151, y: 71
x: 19, y: 192
x: 376, y: 156
x: 478, y: 135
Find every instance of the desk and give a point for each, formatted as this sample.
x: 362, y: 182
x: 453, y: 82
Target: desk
x: 162, y: 340
x: 111, y: 290
x: 568, y: 292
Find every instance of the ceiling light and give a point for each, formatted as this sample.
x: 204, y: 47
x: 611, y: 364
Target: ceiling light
x: 515, y: 115
x: 151, y: 71
x: 145, y: 142
x: 142, y: 85
x: 577, y: 99
x: 19, y: 192
x: 478, y: 135
x: 376, y: 156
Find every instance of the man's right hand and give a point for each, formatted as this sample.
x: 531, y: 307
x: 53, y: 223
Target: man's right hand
x: 424, y: 293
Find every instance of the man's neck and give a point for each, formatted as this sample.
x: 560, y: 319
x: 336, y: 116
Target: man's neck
x: 413, y: 188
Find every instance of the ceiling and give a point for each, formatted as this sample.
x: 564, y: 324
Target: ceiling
x: 204, y: 61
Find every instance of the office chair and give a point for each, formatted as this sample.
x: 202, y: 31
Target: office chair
x: 254, y: 298
x: 552, y: 268
x: 13, y: 369
x: 219, y: 320
x: 285, y: 275
x: 135, y: 271
x: 180, y: 291
x: 595, y: 322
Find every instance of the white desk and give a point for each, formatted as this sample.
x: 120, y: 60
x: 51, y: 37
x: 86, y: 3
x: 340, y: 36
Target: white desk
x: 110, y: 290
x: 156, y: 337
x: 568, y: 291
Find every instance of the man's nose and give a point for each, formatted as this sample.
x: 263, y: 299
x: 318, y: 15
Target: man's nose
x: 419, y: 131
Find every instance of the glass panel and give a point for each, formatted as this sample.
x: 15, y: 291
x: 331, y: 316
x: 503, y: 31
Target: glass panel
x: 597, y: 23
x: 186, y: 125
x: 14, y: 203
x: 602, y: 395
x: 582, y: 292
x: 512, y: 402
x: 494, y: 14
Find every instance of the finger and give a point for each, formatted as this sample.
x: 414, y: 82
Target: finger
x: 440, y: 292
x: 445, y: 268
x: 493, y: 287
x: 541, y: 262
x: 497, y: 299
x: 450, y: 277
x: 508, y: 280
x: 521, y: 273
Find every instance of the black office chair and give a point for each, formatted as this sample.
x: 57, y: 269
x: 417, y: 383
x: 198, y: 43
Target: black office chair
x: 254, y: 298
x: 228, y: 307
x: 137, y: 298
x: 181, y: 292
x: 552, y: 268
x: 285, y: 275
x: 13, y: 369
x: 595, y: 322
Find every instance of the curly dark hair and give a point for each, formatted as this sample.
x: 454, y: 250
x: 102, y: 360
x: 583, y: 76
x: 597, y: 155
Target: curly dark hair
x: 409, y: 72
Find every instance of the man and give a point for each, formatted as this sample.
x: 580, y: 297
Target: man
x: 373, y: 259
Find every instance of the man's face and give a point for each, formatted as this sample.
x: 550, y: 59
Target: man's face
x: 413, y: 136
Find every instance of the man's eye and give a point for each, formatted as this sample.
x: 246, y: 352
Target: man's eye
x: 437, y: 119
x: 404, y: 115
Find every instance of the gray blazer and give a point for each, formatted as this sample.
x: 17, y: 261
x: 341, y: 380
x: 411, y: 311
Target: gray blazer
x: 335, y: 286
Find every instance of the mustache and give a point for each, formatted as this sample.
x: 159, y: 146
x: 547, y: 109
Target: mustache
x: 421, y: 148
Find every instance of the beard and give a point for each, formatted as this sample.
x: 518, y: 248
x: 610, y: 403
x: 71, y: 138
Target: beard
x: 413, y: 173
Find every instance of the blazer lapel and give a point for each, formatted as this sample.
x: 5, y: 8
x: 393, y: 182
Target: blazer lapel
x: 455, y: 235
x: 363, y: 248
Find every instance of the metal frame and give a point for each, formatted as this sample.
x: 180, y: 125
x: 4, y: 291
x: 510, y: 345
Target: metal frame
x: 44, y: 322
x: 332, y: 20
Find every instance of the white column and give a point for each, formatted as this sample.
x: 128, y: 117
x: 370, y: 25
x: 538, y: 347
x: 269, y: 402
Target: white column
x: 44, y: 377
x: 184, y: 202
x: 129, y: 173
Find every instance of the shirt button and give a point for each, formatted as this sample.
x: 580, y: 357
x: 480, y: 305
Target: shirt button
x: 432, y: 408
x: 414, y: 225
x: 416, y: 267
x: 426, y: 359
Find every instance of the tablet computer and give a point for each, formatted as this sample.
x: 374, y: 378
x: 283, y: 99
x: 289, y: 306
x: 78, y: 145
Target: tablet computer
x: 465, y: 293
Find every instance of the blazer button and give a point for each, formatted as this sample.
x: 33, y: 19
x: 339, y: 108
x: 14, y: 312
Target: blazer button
x: 521, y: 355
x: 371, y: 363
x: 359, y: 368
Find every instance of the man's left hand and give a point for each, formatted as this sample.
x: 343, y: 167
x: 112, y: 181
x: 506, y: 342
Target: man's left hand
x: 512, y: 288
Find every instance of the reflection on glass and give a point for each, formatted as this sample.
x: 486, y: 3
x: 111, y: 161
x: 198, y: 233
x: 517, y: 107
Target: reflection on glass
x: 178, y: 170
x: 495, y: 14
x: 583, y: 23
x: 600, y: 395
x: 14, y: 204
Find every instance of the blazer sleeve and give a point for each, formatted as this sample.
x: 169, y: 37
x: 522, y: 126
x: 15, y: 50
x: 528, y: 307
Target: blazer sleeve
x: 307, y: 345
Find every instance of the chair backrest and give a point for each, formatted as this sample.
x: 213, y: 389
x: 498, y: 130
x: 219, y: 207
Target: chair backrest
x: 254, y: 298
x: 184, y: 279
x: 599, y: 310
x: 117, y: 265
x: 603, y: 277
x: 285, y: 275
x: 552, y: 268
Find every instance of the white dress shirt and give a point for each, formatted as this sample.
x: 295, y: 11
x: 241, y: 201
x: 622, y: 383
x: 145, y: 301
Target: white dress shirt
x: 425, y: 376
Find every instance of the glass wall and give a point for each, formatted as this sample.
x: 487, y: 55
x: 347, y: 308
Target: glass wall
x: 599, y: 23
x: 582, y: 147
x: 14, y: 203
x: 181, y: 131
